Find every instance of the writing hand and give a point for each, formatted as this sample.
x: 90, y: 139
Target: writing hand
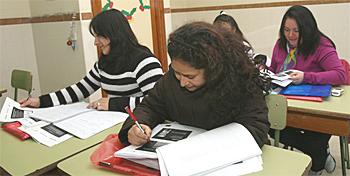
x: 297, y: 77
x: 30, y: 102
x: 137, y: 137
x: 101, y: 104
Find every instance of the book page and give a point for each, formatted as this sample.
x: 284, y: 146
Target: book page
x: 209, y: 151
x: 59, y: 113
x: 90, y: 123
x: 162, y: 134
x: 11, y: 111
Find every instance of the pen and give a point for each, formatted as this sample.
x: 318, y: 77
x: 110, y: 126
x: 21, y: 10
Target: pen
x: 127, y: 109
x: 30, y: 94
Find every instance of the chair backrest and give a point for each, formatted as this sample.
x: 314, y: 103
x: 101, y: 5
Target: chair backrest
x: 21, y: 79
x: 277, y: 105
x: 347, y: 70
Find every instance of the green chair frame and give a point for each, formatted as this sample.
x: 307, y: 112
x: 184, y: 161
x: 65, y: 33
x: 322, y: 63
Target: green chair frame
x: 21, y: 79
x: 277, y: 105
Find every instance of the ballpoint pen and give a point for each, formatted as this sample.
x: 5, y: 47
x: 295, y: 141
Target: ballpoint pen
x: 30, y: 94
x: 127, y: 109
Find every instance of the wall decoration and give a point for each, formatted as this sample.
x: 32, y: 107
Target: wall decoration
x: 142, y: 7
x: 72, y: 37
x: 127, y: 14
x: 108, y: 5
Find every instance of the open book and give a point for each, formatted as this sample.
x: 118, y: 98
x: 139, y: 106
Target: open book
x: 227, y: 150
x: 53, y: 125
x: 162, y: 134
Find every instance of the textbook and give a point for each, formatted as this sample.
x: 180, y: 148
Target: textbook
x: 51, y: 126
x: 307, y: 90
x: 226, y: 150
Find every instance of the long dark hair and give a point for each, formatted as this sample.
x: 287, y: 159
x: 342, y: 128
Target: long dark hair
x: 112, y: 24
x: 227, y: 70
x: 309, y: 34
x: 224, y: 18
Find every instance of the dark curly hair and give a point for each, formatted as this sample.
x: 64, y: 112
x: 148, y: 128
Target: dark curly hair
x: 227, y: 70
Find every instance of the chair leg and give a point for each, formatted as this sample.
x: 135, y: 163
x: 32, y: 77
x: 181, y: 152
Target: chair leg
x: 343, y: 158
x: 16, y: 93
x: 277, y: 138
x: 346, y: 145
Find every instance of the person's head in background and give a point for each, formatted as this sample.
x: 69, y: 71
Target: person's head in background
x: 299, y: 30
x: 202, y: 56
x: 227, y: 22
x: 112, y: 32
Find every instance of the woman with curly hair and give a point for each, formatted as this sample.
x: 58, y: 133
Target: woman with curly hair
x: 211, y: 83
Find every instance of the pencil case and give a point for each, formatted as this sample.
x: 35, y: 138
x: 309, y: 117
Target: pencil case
x: 12, y: 128
x: 103, y: 157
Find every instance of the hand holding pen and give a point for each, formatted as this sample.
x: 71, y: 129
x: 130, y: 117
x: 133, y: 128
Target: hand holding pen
x: 30, y: 101
x: 139, y: 133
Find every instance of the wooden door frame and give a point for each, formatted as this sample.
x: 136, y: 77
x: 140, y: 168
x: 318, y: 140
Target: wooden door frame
x: 158, y: 29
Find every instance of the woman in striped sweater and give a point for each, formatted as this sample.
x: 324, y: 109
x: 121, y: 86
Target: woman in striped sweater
x: 126, y: 69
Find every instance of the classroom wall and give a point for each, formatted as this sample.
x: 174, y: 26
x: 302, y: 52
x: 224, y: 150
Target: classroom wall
x: 16, y: 46
x: 140, y: 22
x: 260, y: 25
x: 40, y: 47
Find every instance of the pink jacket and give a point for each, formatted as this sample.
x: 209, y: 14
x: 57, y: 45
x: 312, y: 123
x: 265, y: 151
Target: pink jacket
x: 321, y: 67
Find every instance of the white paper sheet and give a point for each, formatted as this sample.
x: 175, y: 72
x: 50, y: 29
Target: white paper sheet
x: 150, y: 158
x: 7, y: 109
x: 90, y: 123
x: 39, y: 134
x: 59, y: 113
x: 209, y: 151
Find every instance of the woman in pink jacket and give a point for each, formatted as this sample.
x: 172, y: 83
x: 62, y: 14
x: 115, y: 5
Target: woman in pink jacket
x: 305, y: 49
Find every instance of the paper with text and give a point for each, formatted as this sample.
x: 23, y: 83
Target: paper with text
x: 208, y: 152
x: 87, y: 124
x: 59, y: 113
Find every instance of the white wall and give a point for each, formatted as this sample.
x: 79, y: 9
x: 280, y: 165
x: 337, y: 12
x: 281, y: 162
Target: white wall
x: 260, y: 25
x: 40, y: 47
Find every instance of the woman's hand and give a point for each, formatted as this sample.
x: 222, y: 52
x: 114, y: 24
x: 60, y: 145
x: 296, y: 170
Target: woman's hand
x: 136, y: 137
x: 101, y: 104
x: 297, y: 77
x: 30, y: 102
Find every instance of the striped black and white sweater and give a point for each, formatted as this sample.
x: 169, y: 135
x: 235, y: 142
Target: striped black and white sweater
x: 125, y: 82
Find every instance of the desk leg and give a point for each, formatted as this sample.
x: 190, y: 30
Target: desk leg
x: 343, y: 158
x: 346, y: 144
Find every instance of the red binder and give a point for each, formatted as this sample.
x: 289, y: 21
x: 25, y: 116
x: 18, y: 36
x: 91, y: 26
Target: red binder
x: 104, y: 158
x: 12, y: 128
x: 307, y: 98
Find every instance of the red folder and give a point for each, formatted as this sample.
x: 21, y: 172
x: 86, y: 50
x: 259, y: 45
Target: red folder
x: 307, y: 98
x: 12, y: 128
x: 104, y: 158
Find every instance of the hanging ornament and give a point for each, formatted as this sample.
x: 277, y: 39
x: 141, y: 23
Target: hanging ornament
x: 127, y: 14
x: 108, y: 5
x: 142, y: 7
x: 72, y: 38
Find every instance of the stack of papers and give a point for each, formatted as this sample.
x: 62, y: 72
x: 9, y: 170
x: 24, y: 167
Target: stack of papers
x: 227, y: 150
x: 281, y: 79
x: 162, y: 134
x: 51, y: 126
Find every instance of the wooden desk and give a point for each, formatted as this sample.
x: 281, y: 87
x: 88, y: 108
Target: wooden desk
x: 26, y: 157
x: 276, y: 161
x: 2, y: 91
x: 332, y: 116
